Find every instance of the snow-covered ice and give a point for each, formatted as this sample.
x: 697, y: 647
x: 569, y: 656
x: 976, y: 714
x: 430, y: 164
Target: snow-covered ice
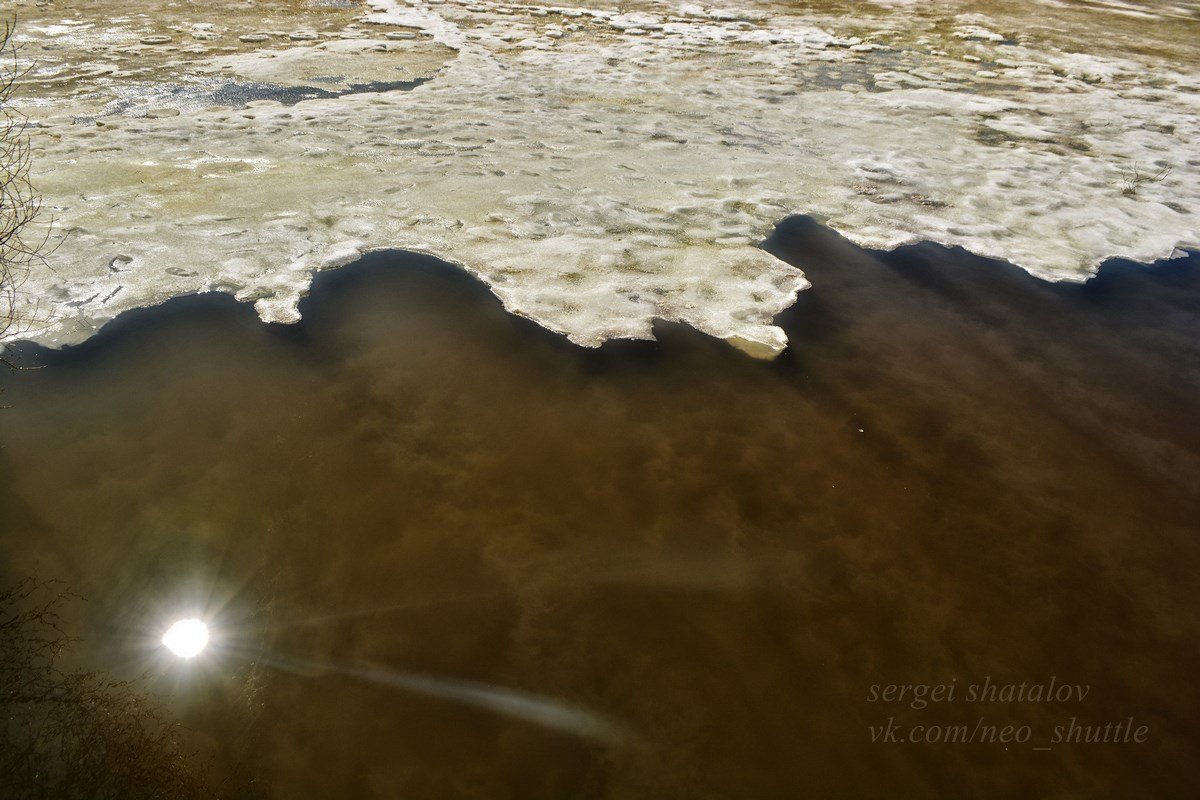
x: 599, y: 165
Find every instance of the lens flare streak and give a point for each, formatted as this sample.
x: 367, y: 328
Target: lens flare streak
x: 535, y: 709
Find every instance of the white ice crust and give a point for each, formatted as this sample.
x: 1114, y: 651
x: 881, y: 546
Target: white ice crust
x: 599, y: 167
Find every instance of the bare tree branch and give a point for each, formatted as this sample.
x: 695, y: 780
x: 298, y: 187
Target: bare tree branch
x: 66, y: 733
x: 23, y: 244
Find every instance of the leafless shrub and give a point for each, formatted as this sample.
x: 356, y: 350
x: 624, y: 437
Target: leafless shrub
x: 72, y: 734
x: 1134, y: 178
x: 21, y: 245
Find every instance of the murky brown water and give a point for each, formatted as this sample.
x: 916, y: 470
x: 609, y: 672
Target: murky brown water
x: 955, y: 472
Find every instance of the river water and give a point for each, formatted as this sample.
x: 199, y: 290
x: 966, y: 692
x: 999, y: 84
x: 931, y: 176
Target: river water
x: 956, y: 472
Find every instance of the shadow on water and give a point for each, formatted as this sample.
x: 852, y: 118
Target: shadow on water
x: 955, y: 472
x: 238, y: 95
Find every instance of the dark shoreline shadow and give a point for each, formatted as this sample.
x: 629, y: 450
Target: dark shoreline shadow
x: 986, y: 290
x: 1116, y: 358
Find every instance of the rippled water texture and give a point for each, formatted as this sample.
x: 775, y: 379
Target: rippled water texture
x: 956, y: 471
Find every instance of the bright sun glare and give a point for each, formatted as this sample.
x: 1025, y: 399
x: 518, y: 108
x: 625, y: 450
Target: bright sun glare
x: 186, y: 638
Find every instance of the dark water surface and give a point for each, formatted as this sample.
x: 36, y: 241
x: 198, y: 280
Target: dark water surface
x: 955, y: 472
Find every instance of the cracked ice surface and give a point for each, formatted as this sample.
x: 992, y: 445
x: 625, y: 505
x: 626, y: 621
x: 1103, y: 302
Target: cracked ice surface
x: 598, y: 166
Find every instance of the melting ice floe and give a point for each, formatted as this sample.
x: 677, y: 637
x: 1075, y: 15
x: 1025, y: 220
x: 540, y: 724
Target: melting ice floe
x: 600, y: 166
